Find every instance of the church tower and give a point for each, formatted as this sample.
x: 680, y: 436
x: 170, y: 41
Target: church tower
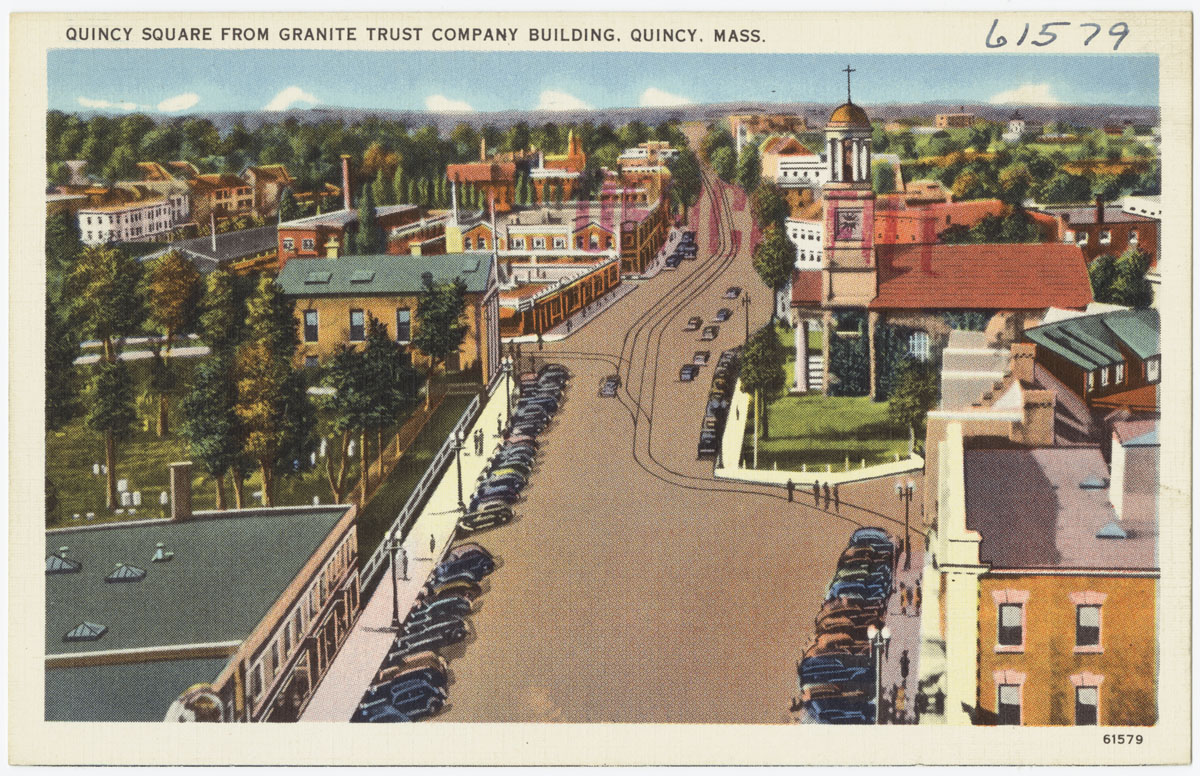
x: 848, y: 271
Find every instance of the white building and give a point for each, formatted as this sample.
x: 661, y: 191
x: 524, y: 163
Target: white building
x: 133, y: 221
x: 1016, y: 128
x: 806, y: 234
x: 1149, y: 205
x: 657, y: 151
x: 802, y: 169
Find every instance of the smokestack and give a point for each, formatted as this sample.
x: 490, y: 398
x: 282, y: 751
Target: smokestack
x: 212, y: 222
x: 181, y: 491
x: 1099, y: 210
x: 453, y: 202
x: 482, y: 148
x: 346, y: 181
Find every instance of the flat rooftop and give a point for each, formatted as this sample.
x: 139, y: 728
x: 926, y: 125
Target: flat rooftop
x: 1029, y: 509
x: 226, y: 574
x: 130, y: 692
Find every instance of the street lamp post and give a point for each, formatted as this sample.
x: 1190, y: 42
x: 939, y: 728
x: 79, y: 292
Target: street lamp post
x: 458, y: 446
x: 508, y: 368
x: 393, y: 544
x: 878, y: 639
x: 905, y: 492
x: 746, y: 306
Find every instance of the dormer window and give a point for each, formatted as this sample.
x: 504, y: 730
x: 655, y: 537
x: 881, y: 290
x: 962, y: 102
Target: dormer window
x: 1105, y: 237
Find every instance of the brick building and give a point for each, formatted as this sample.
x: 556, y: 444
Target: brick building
x: 267, y: 183
x: 326, y: 235
x: 1104, y: 229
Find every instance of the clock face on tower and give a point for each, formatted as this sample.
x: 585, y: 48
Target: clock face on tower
x: 849, y: 225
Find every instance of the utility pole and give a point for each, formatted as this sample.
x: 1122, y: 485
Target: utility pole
x: 746, y: 306
x: 393, y: 545
x: 458, y: 446
x: 757, y: 412
x: 905, y: 493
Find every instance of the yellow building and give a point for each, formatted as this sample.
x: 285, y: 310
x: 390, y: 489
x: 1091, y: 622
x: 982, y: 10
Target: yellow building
x: 335, y: 297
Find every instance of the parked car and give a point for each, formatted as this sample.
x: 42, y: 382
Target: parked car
x: 513, y: 465
x: 854, y: 591
x: 854, y: 611
x: 687, y: 252
x: 417, y: 702
x: 717, y: 408
x: 515, y: 452
x: 693, y: 323
x: 673, y: 261
x: 482, y: 519
x: 478, y: 566
x: 845, y: 625
x: 709, y: 333
x: 382, y: 711
x: 700, y: 357
x: 609, y: 386
x: 459, y: 606
x: 499, y: 492
x: 545, y: 401
x: 733, y: 292
x: 688, y: 372
x: 513, y: 481
x: 554, y: 370
x: 449, y: 623
x: 841, y: 711
x: 828, y: 643
x: 516, y: 440
x: 688, y: 235
x: 466, y: 588
x: 836, y: 668
x: 408, y: 662
x: 430, y: 639
x: 723, y: 315
x: 429, y: 676
x: 467, y: 548
x: 883, y: 548
x: 860, y: 691
x: 707, y: 447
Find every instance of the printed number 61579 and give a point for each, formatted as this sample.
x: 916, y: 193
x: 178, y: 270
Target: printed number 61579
x: 1123, y: 738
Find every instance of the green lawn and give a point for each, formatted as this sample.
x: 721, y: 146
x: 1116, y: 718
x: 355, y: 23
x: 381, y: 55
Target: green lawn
x: 815, y: 430
x: 375, y: 520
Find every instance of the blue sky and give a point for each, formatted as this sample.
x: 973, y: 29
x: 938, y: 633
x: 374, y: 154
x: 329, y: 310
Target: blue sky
x: 186, y: 80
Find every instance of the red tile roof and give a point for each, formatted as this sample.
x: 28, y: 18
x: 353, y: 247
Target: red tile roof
x: 1026, y: 276
x: 786, y: 146
x: 806, y: 286
x: 481, y: 172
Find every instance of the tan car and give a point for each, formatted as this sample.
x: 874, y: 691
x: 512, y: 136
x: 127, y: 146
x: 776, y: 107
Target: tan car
x: 413, y: 662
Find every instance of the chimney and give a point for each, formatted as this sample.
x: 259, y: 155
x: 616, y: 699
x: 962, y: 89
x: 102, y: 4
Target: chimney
x: 482, y: 148
x: 346, y: 181
x: 181, y: 491
x: 1023, y: 356
x: 1099, y: 209
x: 1037, y: 427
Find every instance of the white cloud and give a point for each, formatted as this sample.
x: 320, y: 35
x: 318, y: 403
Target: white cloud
x: 289, y: 97
x: 552, y: 99
x: 89, y: 102
x: 657, y: 98
x: 179, y: 102
x: 1026, y: 94
x: 440, y: 103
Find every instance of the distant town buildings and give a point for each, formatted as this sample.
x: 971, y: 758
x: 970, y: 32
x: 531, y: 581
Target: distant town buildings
x: 953, y: 120
x: 1103, y: 228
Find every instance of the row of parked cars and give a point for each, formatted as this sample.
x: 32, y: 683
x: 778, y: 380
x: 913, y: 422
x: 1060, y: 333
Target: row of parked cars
x: 713, y: 424
x: 411, y: 684
x: 686, y: 249
x: 837, y: 673
x: 507, y: 472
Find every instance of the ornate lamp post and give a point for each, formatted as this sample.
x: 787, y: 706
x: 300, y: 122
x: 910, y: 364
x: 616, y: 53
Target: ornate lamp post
x: 393, y: 545
x: 905, y: 493
x: 458, y: 446
x: 508, y: 369
x: 878, y: 639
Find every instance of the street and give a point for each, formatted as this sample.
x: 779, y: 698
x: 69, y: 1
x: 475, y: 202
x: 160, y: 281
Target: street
x: 633, y: 587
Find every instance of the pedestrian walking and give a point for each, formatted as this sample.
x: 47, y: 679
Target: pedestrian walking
x: 903, y: 599
x: 499, y: 425
x: 826, y: 489
x: 432, y: 543
x: 791, y: 486
x: 539, y: 340
x: 917, y: 598
x: 403, y: 564
x: 816, y: 493
x: 837, y: 504
x: 568, y: 326
x: 904, y: 666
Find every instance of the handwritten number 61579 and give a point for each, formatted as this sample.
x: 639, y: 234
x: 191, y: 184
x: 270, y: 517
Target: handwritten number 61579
x: 1045, y: 36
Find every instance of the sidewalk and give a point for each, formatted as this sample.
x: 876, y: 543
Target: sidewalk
x: 905, y: 626
x: 352, y: 670
x: 579, y: 319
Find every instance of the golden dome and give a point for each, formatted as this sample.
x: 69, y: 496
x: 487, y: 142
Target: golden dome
x: 850, y: 115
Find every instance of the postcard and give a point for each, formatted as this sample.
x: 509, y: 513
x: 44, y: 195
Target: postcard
x: 603, y: 388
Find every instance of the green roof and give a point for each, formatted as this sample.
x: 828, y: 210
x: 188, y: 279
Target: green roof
x: 129, y: 692
x: 382, y: 274
x: 1091, y: 341
x: 226, y: 573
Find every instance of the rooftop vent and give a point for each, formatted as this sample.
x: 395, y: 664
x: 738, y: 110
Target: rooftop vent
x: 317, y: 277
x: 161, y: 555
x: 61, y: 564
x: 126, y: 573
x: 1112, y: 531
x: 362, y: 276
x: 1092, y: 482
x: 85, y: 631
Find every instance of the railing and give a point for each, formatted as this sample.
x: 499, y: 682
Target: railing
x: 416, y: 499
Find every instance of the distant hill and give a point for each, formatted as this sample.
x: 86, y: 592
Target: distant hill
x: 815, y: 112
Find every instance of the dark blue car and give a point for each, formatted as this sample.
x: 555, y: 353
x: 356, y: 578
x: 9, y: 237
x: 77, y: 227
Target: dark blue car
x: 430, y: 676
x: 476, y: 565
x: 837, y: 668
x: 381, y: 712
x: 841, y: 711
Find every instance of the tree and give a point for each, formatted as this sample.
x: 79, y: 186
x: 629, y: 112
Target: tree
x: 161, y: 385
x: 441, y: 323
x: 271, y: 318
x: 774, y: 259
x: 367, y: 239
x: 381, y: 188
x: 1122, y: 280
x: 967, y: 185
x: 103, y: 290
x: 1064, y: 187
x: 1015, y: 182
x: 289, y: 210
x: 685, y: 179
x: 716, y: 137
x: 722, y: 163
x: 62, y: 249
x: 218, y: 322
x: 883, y: 177
x: 915, y: 393
x: 398, y: 189
x: 172, y: 292
x: 348, y: 408
x: 749, y: 168
x: 61, y: 351
x: 210, y: 422
x: 762, y: 372
x: 389, y: 381
x: 110, y: 412
x: 768, y: 206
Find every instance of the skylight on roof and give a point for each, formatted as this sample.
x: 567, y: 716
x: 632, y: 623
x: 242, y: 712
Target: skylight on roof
x: 126, y: 573
x: 318, y: 276
x: 1092, y: 482
x: 362, y: 276
x: 1112, y: 531
x: 61, y: 564
x: 85, y: 631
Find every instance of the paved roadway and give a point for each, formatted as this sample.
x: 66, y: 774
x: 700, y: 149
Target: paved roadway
x: 633, y: 587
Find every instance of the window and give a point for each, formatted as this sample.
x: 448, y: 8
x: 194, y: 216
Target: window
x: 1081, y: 238
x: 1133, y: 237
x: 1087, y: 625
x: 579, y: 242
x: 1009, y: 704
x: 274, y: 658
x: 403, y: 324
x: 287, y: 639
x: 539, y: 242
x: 307, y: 244
x: 1104, y: 377
x: 1087, y: 705
x: 312, y: 361
x: 593, y: 242
x: 518, y: 242
x: 1091, y: 382
x: 918, y: 345
x: 1105, y: 237
x: 1120, y: 377
x: 1011, y: 630
x: 256, y: 682
x: 467, y: 244
x: 358, y: 326
x: 1152, y: 369
x: 560, y: 242
x: 310, y: 325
